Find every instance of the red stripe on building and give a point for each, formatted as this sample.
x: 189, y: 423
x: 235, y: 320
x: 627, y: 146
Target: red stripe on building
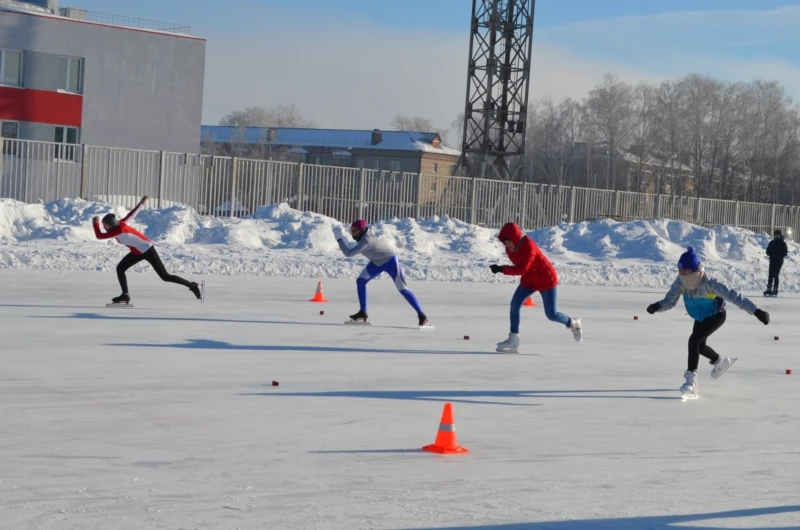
x: 40, y: 106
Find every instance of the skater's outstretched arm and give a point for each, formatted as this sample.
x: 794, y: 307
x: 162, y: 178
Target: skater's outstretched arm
x: 669, y: 301
x: 132, y: 213
x: 114, y: 232
x: 729, y: 295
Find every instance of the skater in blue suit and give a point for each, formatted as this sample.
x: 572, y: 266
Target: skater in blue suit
x: 704, y: 298
x: 382, y: 258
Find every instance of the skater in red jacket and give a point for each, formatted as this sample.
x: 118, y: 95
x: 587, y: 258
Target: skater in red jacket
x: 538, y: 274
x: 140, y: 249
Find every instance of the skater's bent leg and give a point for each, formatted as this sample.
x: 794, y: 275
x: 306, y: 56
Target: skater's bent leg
x: 393, y: 269
x: 153, y: 259
x: 369, y: 272
x: 127, y: 262
x: 520, y: 295
x: 549, y: 298
x: 697, y: 341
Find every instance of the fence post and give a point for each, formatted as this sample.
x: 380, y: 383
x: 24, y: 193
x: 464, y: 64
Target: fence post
x: 472, y: 202
x: 234, y: 182
x: 657, y: 206
x: 571, y: 212
x: 523, y: 205
x: 301, y: 169
x: 84, y: 173
x: 1, y: 167
x: 697, y: 215
x: 736, y: 215
x: 772, y: 221
x: 362, y: 184
x: 418, y: 206
x: 616, y: 204
x: 160, y: 177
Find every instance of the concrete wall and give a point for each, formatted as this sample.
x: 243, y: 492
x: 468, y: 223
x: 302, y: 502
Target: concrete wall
x: 142, y: 89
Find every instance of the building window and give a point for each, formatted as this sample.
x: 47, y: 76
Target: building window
x: 10, y: 67
x: 377, y: 164
x: 10, y: 131
x: 360, y: 162
x: 67, y: 137
x: 435, y: 167
x: 394, y: 165
x: 70, y: 73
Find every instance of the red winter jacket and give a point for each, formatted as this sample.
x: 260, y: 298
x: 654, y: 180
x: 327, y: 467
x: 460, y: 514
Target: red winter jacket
x: 538, y: 274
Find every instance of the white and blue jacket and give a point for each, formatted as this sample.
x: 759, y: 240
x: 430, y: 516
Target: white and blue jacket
x: 707, y: 300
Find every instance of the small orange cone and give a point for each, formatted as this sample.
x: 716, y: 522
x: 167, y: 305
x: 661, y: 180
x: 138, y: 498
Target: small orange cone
x: 446, y: 436
x: 529, y: 302
x: 319, y: 296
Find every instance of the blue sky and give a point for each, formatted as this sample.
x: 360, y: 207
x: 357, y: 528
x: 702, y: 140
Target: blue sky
x: 355, y: 63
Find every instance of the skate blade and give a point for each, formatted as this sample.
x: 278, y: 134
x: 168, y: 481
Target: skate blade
x: 733, y: 360
x: 125, y: 305
x: 688, y: 397
x: 427, y: 327
x: 357, y: 323
x: 507, y: 350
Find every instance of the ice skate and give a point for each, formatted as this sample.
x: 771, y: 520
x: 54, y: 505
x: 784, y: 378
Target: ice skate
x: 359, y: 318
x: 689, y: 388
x: 423, y: 322
x: 511, y: 345
x: 768, y: 292
x: 195, y: 288
x: 723, y: 363
x: 576, y: 329
x: 123, y: 300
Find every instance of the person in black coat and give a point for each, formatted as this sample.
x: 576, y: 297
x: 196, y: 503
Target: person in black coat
x: 776, y: 251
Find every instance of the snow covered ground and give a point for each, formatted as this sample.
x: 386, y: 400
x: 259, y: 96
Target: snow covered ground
x: 164, y: 416
x: 282, y: 242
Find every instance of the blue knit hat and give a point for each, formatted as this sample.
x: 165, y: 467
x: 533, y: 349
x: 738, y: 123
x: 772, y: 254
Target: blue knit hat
x: 689, y: 260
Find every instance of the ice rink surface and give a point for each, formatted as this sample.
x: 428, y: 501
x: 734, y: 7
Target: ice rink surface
x: 165, y: 416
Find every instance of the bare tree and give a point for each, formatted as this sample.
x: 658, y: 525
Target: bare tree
x: 609, y: 108
x: 403, y: 122
x: 279, y: 116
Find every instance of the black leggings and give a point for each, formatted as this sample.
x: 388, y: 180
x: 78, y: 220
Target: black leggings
x: 697, y: 341
x: 774, y: 273
x: 151, y: 257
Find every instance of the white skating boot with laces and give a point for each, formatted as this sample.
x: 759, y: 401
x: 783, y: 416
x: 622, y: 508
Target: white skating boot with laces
x: 689, y: 388
x: 511, y: 345
x: 576, y: 329
x: 722, y: 364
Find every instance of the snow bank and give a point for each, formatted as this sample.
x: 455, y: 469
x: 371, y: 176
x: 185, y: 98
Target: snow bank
x: 280, y: 241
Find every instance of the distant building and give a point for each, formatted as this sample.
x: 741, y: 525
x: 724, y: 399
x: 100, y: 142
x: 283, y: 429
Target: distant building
x: 72, y: 76
x: 405, y: 151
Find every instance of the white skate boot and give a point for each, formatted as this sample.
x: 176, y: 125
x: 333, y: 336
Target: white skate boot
x: 689, y: 388
x: 723, y: 363
x: 576, y: 329
x: 509, y: 346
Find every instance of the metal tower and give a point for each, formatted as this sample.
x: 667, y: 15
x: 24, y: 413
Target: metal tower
x: 498, y: 78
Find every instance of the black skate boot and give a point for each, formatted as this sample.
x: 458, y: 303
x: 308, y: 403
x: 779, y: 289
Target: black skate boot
x: 195, y: 288
x: 359, y: 317
x: 121, y: 299
x: 423, y: 320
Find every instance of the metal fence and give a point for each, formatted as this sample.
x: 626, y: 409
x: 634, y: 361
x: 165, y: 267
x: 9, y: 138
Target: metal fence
x: 223, y: 186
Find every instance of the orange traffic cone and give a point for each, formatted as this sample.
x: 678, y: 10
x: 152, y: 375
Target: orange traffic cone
x: 529, y: 302
x: 319, y: 296
x: 446, y: 436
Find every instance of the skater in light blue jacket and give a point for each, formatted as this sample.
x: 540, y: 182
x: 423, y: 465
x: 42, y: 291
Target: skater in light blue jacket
x: 705, y: 299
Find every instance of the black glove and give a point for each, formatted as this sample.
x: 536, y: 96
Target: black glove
x: 653, y: 308
x: 496, y: 268
x: 762, y: 315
